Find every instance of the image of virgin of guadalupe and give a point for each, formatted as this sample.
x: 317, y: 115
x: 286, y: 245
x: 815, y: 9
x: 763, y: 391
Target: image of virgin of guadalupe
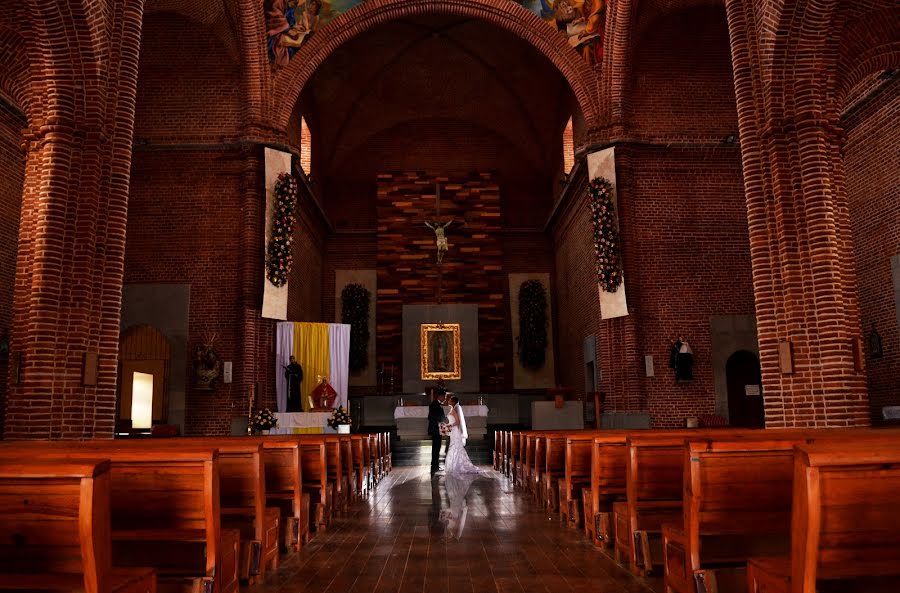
x: 441, y: 349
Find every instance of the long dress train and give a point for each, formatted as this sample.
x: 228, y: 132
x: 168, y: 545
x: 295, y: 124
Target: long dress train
x: 457, y: 461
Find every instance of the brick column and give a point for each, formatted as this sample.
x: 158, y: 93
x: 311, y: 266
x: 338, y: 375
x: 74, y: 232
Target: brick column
x: 67, y: 298
x: 801, y: 248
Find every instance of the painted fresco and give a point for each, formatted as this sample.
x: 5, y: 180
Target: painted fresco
x: 289, y: 23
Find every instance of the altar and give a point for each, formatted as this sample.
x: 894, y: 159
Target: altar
x: 302, y: 423
x: 412, y: 421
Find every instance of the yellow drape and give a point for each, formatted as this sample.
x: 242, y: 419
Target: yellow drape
x: 312, y: 353
x: 310, y: 430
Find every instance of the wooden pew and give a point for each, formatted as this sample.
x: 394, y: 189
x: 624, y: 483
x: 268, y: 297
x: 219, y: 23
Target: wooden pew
x: 528, y: 469
x: 608, y: 463
x: 375, y: 446
x: 314, y: 462
x: 539, y: 467
x: 737, y: 503
x: 654, y: 481
x: 284, y: 489
x: 358, y: 457
x: 388, y: 457
x: 337, y: 474
x: 497, y: 453
x: 515, y: 440
x: 55, y: 529
x: 165, y: 511
x: 348, y: 469
x: 845, y: 524
x: 575, y: 486
x: 242, y: 492
x: 554, y: 469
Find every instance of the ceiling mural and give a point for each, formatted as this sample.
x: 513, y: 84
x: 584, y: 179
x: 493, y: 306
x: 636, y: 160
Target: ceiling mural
x: 289, y: 23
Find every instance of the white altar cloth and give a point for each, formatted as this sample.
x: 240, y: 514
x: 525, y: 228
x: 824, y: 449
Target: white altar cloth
x: 301, y: 422
x: 412, y: 421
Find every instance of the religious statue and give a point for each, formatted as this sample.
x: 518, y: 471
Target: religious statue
x: 681, y: 360
x: 440, y: 238
x: 293, y: 374
x: 207, y: 365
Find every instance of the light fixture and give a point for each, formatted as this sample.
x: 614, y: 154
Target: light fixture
x: 730, y: 139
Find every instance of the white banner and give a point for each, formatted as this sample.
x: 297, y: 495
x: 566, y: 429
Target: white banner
x: 603, y: 164
x: 275, y: 299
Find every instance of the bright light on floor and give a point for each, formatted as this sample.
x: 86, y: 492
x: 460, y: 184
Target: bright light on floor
x: 142, y: 400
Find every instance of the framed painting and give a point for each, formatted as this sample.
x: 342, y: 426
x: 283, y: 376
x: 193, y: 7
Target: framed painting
x: 440, y: 351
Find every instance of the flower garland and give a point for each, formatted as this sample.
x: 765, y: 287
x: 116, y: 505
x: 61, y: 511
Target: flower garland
x: 280, y: 259
x: 532, y: 324
x: 608, y: 256
x: 355, y: 299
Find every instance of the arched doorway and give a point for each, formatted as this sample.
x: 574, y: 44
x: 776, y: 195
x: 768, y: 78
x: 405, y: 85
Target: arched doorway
x: 144, y: 356
x: 745, y: 401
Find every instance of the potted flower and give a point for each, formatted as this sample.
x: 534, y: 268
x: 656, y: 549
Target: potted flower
x: 340, y: 420
x: 263, y: 421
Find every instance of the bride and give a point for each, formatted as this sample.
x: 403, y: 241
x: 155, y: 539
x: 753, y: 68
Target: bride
x: 457, y: 461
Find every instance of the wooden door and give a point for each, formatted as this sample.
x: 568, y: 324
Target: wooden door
x: 745, y: 401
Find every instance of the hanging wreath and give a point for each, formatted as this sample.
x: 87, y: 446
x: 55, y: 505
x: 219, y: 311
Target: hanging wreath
x: 355, y: 299
x: 279, y: 257
x: 532, y: 324
x: 607, y: 250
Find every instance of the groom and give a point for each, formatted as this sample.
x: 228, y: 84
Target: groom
x: 435, y: 417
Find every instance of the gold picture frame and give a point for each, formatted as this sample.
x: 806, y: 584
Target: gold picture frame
x: 440, y: 351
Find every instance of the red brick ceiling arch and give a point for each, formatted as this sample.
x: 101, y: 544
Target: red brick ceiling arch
x: 502, y: 13
x: 811, y: 48
x: 15, y: 70
x: 868, y: 45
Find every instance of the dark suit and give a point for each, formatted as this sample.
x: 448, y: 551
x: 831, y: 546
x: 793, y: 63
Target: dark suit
x: 435, y: 416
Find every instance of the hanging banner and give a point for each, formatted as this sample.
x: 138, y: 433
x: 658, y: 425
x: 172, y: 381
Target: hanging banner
x: 275, y: 298
x: 603, y: 164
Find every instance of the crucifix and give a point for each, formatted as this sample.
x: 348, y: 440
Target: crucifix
x: 440, y: 238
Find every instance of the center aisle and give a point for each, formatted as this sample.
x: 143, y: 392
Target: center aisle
x: 415, y: 535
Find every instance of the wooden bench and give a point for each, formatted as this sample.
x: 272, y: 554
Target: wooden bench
x: 336, y: 474
x: 554, y: 469
x: 515, y: 440
x: 284, y: 489
x: 358, y: 457
x: 242, y: 492
x: 737, y: 503
x: 528, y: 469
x: 314, y: 467
x: 845, y: 523
x: 498, y: 452
x: 575, y: 487
x: 165, y: 512
x: 608, y: 456
x: 653, y: 483
x: 348, y: 470
x: 55, y: 529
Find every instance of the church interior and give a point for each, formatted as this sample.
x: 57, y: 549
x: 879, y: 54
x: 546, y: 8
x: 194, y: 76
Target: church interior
x: 651, y: 246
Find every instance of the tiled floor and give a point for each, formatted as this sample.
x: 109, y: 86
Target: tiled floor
x: 449, y: 536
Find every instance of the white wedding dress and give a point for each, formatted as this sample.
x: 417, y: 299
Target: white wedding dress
x: 457, y: 461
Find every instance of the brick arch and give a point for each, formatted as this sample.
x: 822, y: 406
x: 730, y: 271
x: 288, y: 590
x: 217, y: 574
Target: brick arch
x: 15, y: 73
x: 791, y: 58
x: 502, y: 13
x: 868, y: 45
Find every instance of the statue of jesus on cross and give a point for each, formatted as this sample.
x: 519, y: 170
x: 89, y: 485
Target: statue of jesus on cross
x: 440, y: 238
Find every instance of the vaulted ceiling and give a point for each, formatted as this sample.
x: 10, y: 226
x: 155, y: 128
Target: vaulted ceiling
x: 438, y: 93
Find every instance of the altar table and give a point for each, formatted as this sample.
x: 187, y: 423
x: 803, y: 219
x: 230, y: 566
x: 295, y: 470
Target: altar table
x: 412, y: 421
x: 302, y: 423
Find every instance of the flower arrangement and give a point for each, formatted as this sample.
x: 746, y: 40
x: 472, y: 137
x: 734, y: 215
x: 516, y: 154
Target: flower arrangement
x: 532, y: 338
x: 355, y: 299
x: 279, y: 256
x: 339, y: 416
x: 263, y: 419
x: 606, y: 234
x: 444, y: 428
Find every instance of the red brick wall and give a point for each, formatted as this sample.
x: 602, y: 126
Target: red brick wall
x: 189, y: 84
x: 184, y: 226
x: 872, y: 163
x: 12, y: 177
x: 306, y: 285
